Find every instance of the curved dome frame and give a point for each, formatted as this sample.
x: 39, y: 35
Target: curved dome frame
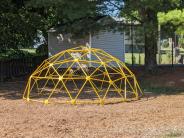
x: 82, y: 75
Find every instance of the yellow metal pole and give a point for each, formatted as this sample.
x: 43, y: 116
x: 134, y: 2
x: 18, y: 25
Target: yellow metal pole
x: 109, y: 73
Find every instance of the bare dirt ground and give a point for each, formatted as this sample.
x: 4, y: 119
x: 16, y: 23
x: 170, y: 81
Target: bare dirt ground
x: 155, y: 115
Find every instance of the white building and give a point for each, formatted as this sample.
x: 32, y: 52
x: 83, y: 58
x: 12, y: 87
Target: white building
x: 113, y: 42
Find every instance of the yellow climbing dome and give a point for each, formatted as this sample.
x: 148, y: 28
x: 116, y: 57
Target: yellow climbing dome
x: 82, y: 75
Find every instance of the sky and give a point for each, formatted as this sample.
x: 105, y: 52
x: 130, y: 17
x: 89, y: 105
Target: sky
x: 112, y: 10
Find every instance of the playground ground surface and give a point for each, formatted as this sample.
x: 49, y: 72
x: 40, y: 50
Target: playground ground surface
x: 159, y: 114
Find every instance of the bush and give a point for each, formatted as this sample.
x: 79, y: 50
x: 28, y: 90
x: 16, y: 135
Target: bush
x: 165, y: 44
x: 17, y: 54
x: 42, y: 50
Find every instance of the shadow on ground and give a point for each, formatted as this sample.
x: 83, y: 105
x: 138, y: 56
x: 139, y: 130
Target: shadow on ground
x: 14, y: 91
x: 166, y: 82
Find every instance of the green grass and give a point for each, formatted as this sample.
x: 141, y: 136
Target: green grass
x: 11, y: 53
x: 139, y: 58
x: 173, y: 135
x: 29, y: 50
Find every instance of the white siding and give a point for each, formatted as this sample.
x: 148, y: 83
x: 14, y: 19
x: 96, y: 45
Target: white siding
x: 111, y: 42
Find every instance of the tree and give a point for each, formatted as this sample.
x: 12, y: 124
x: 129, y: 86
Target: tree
x: 175, y: 17
x: 145, y: 12
x: 21, y: 20
x: 18, y: 26
x: 73, y: 15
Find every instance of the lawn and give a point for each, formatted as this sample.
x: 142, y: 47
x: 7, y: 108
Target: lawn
x: 17, y: 53
x: 139, y: 58
x: 29, y: 50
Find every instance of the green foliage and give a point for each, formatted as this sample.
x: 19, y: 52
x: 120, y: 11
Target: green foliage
x: 14, y: 53
x: 42, y: 50
x: 145, y: 12
x: 17, y: 54
x: 72, y: 15
x: 18, y: 26
x: 165, y: 44
x: 175, y: 17
x: 20, y: 21
x: 181, y: 41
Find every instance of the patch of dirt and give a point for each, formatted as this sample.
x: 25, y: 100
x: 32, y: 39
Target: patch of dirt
x: 152, y: 116
x: 165, y: 76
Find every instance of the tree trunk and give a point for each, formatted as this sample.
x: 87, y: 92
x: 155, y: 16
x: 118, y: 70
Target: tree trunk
x: 150, y: 24
x: 150, y: 47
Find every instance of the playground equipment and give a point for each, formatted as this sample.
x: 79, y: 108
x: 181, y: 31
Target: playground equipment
x: 82, y: 75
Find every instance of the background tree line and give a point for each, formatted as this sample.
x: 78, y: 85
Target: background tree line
x: 21, y: 20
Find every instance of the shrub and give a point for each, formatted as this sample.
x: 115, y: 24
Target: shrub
x: 42, y: 49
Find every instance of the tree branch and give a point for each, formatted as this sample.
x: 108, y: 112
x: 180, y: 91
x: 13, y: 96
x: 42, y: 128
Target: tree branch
x: 120, y: 8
